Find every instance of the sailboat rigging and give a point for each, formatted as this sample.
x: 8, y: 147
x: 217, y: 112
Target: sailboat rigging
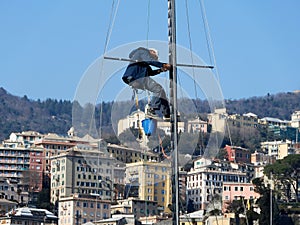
x: 212, y: 92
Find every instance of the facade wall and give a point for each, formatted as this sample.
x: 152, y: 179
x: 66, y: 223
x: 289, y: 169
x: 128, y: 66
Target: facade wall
x: 79, y: 209
x: 207, y: 180
x: 84, y: 172
x: 236, y: 191
x: 196, y: 126
x: 217, y: 120
x: 130, y: 155
x: 238, y: 154
x: 245, y: 120
x: 278, y: 149
x: 295, y: 119
x: 152, y: 180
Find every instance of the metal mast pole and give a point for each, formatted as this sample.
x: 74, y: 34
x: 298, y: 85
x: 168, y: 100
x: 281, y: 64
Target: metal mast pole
x: 173, y: 108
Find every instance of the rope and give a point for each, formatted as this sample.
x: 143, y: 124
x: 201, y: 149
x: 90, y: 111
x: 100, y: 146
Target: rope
x: 111, y: 23
x: 140, y: 131
x: 190, y: 43
x: 208, y: 39
x: 162, y: 148
x: 148, y: 23
x: 108, y: 34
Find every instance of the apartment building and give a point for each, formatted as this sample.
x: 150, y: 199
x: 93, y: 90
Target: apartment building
x: 259, y: 161
x: 206, y: 178
x: 12, y: 190
x: 88, y: 171
x: 235, y: 191
x: 22, y: 164
x: 151, y: 181
x: 270, y: 121
x: 28, y: 138
x: 82, y: 208
x: 238, y: 154
x: 244, y: 120
x: 130, y: 155
x: 217, y: 120
x: 196, y: 126
x: 53, y: 144
x: 14, y: 160
x: 278, y: 149
x: 137, y: 207
x: 295, y: 119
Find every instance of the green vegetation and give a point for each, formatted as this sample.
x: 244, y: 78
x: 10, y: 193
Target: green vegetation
x: 55, y: 116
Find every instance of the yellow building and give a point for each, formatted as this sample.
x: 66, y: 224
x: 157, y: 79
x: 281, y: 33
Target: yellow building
x: 150, y: 180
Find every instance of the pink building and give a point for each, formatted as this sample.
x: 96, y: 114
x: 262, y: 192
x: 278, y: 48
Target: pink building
x: 236, y: 191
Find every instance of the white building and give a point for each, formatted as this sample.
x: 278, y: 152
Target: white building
x: 269, y: 121
x: 206, y: 179
x: 134, y: 120
x: 217, y: 120
x: 197, y: 126
x: 27, y: 138
x: 29, y: 216
x: 295, y: 119
x: 278, y: 149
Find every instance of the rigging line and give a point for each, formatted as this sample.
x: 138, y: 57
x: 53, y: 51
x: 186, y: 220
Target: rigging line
x: 148, y: 23
x: 98, y: 155
x: 208, y: 38
x: 108, y: 35
x: 111, y: 24
x: 229, y: 134
x: 190, y: 43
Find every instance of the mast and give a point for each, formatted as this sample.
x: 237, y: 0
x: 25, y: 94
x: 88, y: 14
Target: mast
x: 173, y: 108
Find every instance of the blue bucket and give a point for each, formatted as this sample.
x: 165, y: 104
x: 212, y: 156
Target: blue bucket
x: 149, y: 126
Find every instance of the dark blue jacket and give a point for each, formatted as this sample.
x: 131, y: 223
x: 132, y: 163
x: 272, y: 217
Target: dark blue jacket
x: 141, y: 68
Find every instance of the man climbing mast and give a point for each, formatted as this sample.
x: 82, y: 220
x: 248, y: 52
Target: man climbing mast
x: 138, y: 75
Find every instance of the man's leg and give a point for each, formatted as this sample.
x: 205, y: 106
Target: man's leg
x: 159, y: 99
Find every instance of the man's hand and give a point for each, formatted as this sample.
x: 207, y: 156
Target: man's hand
x: 166, y: 67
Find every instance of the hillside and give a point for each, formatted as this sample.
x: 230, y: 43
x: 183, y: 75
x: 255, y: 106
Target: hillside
x: 22, y: 114
x: 281, y: 105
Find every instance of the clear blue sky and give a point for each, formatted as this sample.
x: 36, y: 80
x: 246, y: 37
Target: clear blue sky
x: 46, y: 46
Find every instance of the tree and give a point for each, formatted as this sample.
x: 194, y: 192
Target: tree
x: 237, y: 207
x: 43, y: 200
x: 286, y: 174
x: 264, y: 203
